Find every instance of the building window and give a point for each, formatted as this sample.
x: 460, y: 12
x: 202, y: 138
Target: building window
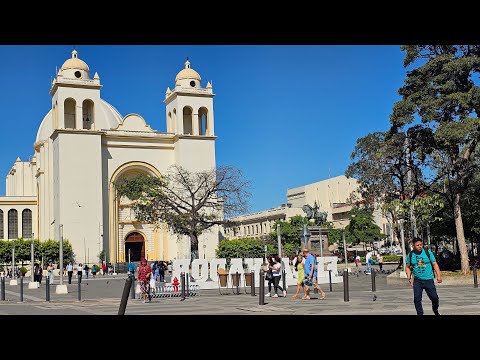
x: 27, y: 224
x: 12, y: 224
x: 1, y: 225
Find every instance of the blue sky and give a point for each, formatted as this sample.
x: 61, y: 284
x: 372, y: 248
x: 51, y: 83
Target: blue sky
x: 287, y: 115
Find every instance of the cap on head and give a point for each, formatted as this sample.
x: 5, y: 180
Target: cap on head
x: 143, y: 261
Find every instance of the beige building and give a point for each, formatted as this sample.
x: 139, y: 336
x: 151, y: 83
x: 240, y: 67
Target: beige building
x: 84, y: 145
x: 331, y: 196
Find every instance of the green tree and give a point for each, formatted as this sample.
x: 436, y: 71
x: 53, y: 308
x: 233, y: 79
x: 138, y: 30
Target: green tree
x: 50, y: 249
x: 289, y: 230
x: 362, y: 227
x: 188, y: 202
x: 439, y: 108
x: 389, y: 172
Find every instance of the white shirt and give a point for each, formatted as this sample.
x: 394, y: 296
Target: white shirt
x: 69, y: 267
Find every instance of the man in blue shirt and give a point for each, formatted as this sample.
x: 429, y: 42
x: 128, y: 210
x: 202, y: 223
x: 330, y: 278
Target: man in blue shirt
x: 131, y: 269
x: 310, y: 270
x: 423, y: 264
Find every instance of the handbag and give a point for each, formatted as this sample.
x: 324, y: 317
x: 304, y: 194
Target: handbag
x: 268, y: 275
x: 138, y: 290
x: 152, y: 283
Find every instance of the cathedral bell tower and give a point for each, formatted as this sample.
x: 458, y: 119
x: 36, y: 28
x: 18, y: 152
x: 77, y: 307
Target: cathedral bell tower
x: 74, y: 96
x: 189, y: 114
x: 189, y: 106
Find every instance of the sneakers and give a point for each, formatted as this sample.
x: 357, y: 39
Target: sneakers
x: 284, y: 293
x: 275, y: 296
x: 267, y: 295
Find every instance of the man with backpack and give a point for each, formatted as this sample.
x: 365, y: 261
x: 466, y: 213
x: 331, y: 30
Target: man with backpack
x: 421, y: 262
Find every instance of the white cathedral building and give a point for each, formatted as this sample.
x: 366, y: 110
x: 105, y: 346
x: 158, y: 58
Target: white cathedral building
x: 83, y: 146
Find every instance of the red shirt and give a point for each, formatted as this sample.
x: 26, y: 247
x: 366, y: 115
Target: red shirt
x: 144, y: 272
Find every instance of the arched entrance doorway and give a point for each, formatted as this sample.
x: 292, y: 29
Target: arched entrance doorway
x: 135, y: 244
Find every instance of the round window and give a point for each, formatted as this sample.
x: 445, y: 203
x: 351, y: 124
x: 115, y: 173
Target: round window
x: 78, y: 74
x: 192, y: 83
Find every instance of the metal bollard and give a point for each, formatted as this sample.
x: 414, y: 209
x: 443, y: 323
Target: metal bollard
x: 345, y: 285
x: 21, y: 288
x: 284, y: 279
x: 186, y: 276
x: 47, y: 290
x: 475, y: 280
x: 373, y: 285
x: 330, y: 279
x: 237, y: 280
x: 132, y: 289
x: 79, y: 289
x: 252, y: 284
x: 2, y: 287
x: 182, y: 284
x: 123, y: 302
x: 261, y: 290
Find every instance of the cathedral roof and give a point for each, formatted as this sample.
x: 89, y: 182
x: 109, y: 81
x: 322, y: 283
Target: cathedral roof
x: 188, y: 73
x: 75, y: 63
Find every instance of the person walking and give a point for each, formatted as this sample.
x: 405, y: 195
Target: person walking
x: 94, y: 270
x: 144, y: 274
x: 161, y: 271
x: 50, y: 273
x: 79, y: 272
x: 271, y: 261
x: 131, y: 269
x: 299, y: 267
x: 86, y: 268
x: 276, y: 268
x: 422, y: 264
x: 70, y: 272
x: 104, y: 269
x: 310, y: 270
x: 380, y: 261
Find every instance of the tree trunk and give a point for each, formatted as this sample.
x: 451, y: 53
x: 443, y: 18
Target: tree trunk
x: 193, y: 247
x: 462, y: 245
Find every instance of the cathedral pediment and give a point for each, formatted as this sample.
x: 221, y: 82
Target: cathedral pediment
x: 134, y: 122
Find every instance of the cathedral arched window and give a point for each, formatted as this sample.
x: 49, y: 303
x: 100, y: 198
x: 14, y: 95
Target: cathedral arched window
x: 88, y: 120
x: 1, y: 225
x: 187, y: 120
x: 12, y: 224
x: 203, y: 121
x: 27, y: 224
x: 69, y: 113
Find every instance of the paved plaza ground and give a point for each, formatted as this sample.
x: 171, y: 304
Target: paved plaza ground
x: 101, y: 296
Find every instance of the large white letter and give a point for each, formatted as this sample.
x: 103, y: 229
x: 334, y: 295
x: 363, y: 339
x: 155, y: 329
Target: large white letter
x: 180, y: 265
x: 322, y: 274
x: 214, y: 265
x: 196, y: 269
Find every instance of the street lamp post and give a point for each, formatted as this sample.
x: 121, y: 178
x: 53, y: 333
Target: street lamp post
x: 204, y: 250
x: 321, y: 241
x: 279, y: 241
